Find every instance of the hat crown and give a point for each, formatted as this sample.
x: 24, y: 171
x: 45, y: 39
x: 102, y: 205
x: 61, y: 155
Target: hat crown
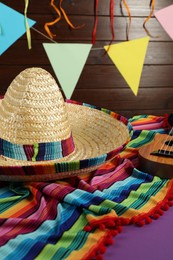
x: 33, y: 110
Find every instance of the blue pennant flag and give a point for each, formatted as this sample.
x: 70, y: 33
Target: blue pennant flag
x: 12, y: 24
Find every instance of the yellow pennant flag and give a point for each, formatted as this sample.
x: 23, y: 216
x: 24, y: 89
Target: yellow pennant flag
x: 129, y: 58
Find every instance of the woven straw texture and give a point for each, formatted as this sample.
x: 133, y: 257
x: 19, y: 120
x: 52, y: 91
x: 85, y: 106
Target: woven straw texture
x: 33, y: 111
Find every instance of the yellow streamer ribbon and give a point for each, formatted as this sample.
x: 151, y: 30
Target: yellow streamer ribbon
x: 28, y: 33
x: 60, y: 13
x: 129, y: 15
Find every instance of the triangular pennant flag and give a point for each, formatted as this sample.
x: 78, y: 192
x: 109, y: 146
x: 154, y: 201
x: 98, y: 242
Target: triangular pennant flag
x: 67, y: 60
x: 129, y: 59
x: 12, y: 26
x: 165, y: 18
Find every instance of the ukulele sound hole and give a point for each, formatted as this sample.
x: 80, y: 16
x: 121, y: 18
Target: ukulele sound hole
x: 169, y: 143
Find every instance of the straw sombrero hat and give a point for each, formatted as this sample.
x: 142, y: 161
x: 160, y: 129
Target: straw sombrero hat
x: 42, y: 137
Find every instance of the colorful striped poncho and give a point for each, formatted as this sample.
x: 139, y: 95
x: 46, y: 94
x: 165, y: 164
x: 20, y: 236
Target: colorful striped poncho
x: 76, y: 218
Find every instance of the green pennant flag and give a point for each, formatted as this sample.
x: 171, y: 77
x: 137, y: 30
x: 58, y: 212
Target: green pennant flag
x: 67, y: 60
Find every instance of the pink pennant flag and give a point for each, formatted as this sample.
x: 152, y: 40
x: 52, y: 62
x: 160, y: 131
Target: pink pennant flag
x: 165, y: 18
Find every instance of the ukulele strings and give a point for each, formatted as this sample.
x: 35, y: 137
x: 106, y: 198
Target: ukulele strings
x: 168, y: 143
x: 171, y: 141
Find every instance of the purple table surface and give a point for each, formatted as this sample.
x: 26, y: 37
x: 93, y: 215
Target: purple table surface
x: 150, y: 242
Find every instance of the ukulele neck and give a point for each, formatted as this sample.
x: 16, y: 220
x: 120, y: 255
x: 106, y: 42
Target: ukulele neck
x: 163, y: 153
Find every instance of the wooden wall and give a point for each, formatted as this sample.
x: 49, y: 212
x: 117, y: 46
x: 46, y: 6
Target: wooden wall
x: 100, y: 83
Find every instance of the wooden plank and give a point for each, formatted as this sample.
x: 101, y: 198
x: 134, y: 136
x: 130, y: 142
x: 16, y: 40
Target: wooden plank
x: 103, y: 32
x: 108, y: 77
x: 149, y: 101
x: 131, y: 113
x: 157, y: 53
x: 99, y: 78
x: 123, y: 99
x: 86, y: 7
x: 63, y: 32
x: 120, y: 99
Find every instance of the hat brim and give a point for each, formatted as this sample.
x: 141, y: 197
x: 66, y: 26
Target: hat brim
x: 99, y: 135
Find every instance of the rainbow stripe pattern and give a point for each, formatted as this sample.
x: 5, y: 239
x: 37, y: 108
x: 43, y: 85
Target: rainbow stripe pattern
x: 76, y: 218
x: 53, y: 151
x: 37, y: 151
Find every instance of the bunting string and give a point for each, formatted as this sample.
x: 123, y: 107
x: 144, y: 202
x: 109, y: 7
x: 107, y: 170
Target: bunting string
x: 43, y: 35
x: 60, y: 11
x: 93, y: 49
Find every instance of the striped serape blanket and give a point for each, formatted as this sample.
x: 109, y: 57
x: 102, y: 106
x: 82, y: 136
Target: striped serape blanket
x: 76, y: 218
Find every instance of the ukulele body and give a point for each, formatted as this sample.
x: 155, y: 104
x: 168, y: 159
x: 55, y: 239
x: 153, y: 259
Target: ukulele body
x: 158, y: 165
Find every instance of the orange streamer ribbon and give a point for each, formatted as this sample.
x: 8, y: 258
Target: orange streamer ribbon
x: 67, y: 19
x: 60, y: 12
x: 152, y: 3
x: 129, y: 15
x: 46, y: 26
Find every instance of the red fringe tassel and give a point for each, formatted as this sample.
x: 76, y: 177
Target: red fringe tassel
x: 114, y: 225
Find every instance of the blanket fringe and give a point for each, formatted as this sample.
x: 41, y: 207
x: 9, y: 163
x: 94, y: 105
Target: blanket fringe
x: 114, y: 225
x: 156, y: 212
x: 97, y: 253
x: 111, y: 223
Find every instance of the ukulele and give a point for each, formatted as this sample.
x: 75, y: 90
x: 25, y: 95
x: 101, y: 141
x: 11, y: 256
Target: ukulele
x: 156, y: 157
